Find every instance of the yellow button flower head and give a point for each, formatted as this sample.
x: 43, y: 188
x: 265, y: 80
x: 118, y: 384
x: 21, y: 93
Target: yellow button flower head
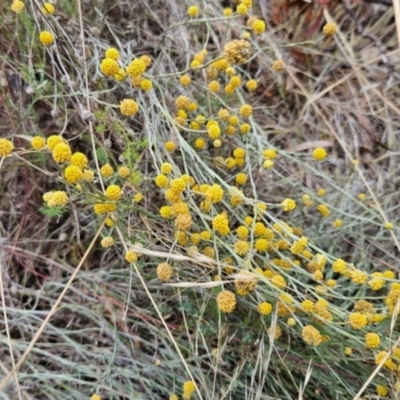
x: 319, y: 153
x: 227, y: 12
x: 109, y: 67
x: 6, y: 147
x: 214, y: 194
x: 124, y: 172
x: 48, y: 8
x: 185, y: 80
x: 107, y: 242
x: 146, y: 85
x: 246, y: 110
x: 79, y: 159
x: 329, y: 29
x: 311, y: 335
x: 188, y: 390
x: 251, y: 85
x: 73, y: 174
x: 193, y: 11
x: 278, y: 281
x: 214, y: 86
x: 131, y: 256
x: 106, y: 170
x: 95, y: 397
x: 372, y: 340
x: 165, y: 272
x: 241, y: 9
x: 170, y: 146
x: 38, y: 142
x: 226, y: 301
x: 88, y: 175
x: 237, y: 51
x: 56, y: 199
x: 241, y: 178
x: 104, y: 208
x: 62, y: 153
x: 17, y: 6
x: 136, y: 67
x: 235, y: 81
x: 357, y: 320
x: 46, y: 38
x: 324, y: 210
x: 53, y: 141
x: 112, y: 53
x: 183, y: 222
x: 128, y: 107
x: 264, y: 308
x: 258, y: 27
x: 221, y: 224
x: 288, y: 205
x: 113, y: 192
x: 241, y: 247
x: 279, y: 66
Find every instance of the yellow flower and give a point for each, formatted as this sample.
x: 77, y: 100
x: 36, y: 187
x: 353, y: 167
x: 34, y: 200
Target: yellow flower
x: 166, y: 212
x: 170, y: 146
x: 183, y: 222
x: 62, y: 153
x: 214, y: 194
x: 164, y: 272
x: 88, y: 175
x: 199, y: 144
x: 235, y: 81
x: 237, y: 51
x: 53, y: 141
x: 324, y: 210
x: 258, y: 27
x: 173, y: 397
x: 56, y: 199
x: 109, y: 67
x: 242, y: 232
x: 382, y: 391
x: 241, y: 178
x: 276, y: 331
x: 214, y: 86
x: 17, y: 6
x: 112, y: 53
x: 269, y: 154
x: 337, y: 223
x: 246, y: 110
x: 241, y: 247
x: 193, y: 11
x: 79, y: 159
x: 95, y: 397
x: 189, y: 388
x: 161, y: 181
x: 128, y: 107
x: 73, y: 174
x: 136, y: 68
x: 279, y: 66
x: 227, y: 12
x: 6, y: 147
x: 241, y: 9
x: 372, y: 340
x: 185, y: 80
x: 268, y: 164
x: 107, y: 242
x: 261, y: 245
x: 251, y: 85
x: 48, y: 8
x: 221, y: 224
x: 319, y: 153
x: 146, y: 59
x: 311, y: 335
x: 38, y: 142
x: 104, y: 208
x: 288, y: 205
x: 357, y: 320
x: 226, y: 301
x: 113, y: 192
x: 46, y: 38
x: 388, y: 225
x: 106, y: 170
x: 278, y: 281
x: 146, y: 85
x: 329, y: 29
x: 131, y: 256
